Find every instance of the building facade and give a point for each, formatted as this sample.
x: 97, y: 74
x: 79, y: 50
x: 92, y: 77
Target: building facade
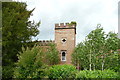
x: 65, y: 39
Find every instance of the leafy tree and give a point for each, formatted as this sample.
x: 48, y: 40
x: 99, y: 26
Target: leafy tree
x: 30, y: 64
x: 16, y: 30
x: 96, y: 50
x: 52, y: 55
x: 97, y: 41
x: 79, y: 56
x: 112, y: 54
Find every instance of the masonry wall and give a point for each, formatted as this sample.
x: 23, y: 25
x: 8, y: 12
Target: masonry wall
x: 69, y: 33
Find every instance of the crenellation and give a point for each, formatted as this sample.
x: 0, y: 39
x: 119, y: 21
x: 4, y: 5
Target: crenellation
x: 44, y: 42
x: 61, y: 24
x: 56, y: 25
x: 65, y: 25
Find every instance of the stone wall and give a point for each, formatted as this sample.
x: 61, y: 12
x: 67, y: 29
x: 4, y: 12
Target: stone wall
x: 64, y: 31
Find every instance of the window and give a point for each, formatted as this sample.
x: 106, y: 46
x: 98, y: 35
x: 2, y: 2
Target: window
x: 63, y: 55
x: 64, y: 40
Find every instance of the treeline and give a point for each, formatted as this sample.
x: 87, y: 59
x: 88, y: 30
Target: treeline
x: 99, y: 51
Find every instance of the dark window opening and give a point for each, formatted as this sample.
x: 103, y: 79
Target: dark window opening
x: 63, y: 55
x: 64, y: 40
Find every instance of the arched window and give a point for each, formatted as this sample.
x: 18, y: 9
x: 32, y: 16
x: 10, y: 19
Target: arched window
x: 63, y: 55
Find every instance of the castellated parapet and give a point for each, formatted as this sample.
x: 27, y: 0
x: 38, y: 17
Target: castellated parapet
x: 65, y: 25
x: 44, y: 42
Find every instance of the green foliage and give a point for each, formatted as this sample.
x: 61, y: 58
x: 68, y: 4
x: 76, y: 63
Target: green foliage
x: 8, y: 71
x: 73, y: 23
x: 33, y: 62
x: 50, y: 51
x: 30, y: 64
x: 52, y: 55
x: 79, y: 57
x: 16, y: 30
x: 97, y: 74
x: 62, y: 71
x: 97, y: 51
x: 114, y: 59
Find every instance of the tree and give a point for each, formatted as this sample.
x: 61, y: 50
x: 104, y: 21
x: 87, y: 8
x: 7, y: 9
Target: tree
x: 30, y: 64
x: 16, y: 30
x: 97, y: 49
x: 52, y: 55
x: 79, y: 57
x: 96, y: 40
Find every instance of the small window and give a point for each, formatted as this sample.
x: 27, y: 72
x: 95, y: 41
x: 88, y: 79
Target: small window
x: 64, y: 40
x: 63, y: 56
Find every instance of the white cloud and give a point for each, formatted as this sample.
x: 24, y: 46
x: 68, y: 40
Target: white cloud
x: 87, y: 13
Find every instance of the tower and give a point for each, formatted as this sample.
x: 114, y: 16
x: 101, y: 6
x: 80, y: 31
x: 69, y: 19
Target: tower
x: 65, y: 37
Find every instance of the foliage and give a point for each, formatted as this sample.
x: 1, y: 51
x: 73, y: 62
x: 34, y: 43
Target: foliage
x: 8, y: 71
x: 97, y: 74
x: 115, y: 60
x: 79, y: 57
x: 52, y: 55
x: 30, y: 64
x: 73, y: 23
x: 62, y: 71
x: 16, y: 30
x: 97, y: 50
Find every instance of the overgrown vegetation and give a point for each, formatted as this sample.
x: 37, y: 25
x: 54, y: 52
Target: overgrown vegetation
x: 73, y: 23
x: 33, y: 63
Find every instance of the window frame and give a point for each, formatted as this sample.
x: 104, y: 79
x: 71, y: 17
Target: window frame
x: 62, y: 56
x: 62, y: 40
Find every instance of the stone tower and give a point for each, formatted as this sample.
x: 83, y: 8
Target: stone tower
x: 65, y: 39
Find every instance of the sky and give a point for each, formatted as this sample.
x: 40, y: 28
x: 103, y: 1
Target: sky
x: 87, y: 14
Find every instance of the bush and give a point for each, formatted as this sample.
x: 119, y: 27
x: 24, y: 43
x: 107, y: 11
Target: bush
x: 52, y: 55
x: 97, y: 74
x: 62, y: 71
x: 7, y: 71
x: 30, y: 64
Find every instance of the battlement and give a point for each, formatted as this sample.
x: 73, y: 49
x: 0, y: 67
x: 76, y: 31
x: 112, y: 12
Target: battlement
x: 44, y: 42
x: 66, y: 25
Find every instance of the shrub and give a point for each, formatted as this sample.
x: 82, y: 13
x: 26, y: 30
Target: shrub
x: 7, y: 71
x: 62, y: 71
x: 52, y: 55
x: 30, y: 64
x: 97, y: 74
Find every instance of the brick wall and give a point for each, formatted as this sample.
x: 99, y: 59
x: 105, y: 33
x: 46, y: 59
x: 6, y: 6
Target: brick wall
x: 69, y: 33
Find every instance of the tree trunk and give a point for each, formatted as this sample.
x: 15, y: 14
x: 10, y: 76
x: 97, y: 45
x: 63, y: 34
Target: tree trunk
x: 103, y: 64
x: 94, y: 66
x: 90, y: 63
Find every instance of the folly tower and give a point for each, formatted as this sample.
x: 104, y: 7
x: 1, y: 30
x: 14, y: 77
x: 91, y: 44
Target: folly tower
x: 65, y: 39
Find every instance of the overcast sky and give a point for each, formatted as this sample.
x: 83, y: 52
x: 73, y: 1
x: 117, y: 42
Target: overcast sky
x: 87, y: 14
